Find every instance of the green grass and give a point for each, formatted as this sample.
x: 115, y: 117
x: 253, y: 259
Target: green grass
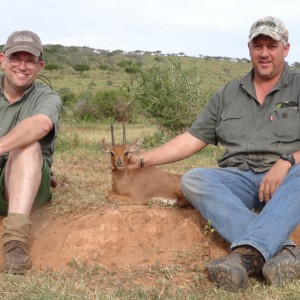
x: 215, y: 73
x: 82, y: 171
x: 98, y: 283
x: 83, y: 174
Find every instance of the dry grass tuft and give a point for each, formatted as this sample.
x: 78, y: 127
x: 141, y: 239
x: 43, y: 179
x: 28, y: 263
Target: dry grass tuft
x: 84, y: 177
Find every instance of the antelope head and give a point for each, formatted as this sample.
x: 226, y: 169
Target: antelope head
x: 120, y: 152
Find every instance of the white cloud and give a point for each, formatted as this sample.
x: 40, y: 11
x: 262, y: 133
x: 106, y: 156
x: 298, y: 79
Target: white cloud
x: 214, y: 27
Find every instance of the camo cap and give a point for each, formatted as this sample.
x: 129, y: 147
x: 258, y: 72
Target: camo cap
x: 24, y: 40
x: 271, y: 27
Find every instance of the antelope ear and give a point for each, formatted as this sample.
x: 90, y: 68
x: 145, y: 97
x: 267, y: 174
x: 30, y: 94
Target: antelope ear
x: 135, y: 146
x: 105, y: 147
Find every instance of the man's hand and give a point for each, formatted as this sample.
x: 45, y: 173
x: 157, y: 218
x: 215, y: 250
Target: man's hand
x: 134, y: 162
x: 273, y: 179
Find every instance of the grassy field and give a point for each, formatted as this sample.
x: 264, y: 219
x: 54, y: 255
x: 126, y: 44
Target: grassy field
x: 214, y: 72
x: 83, y: 173
x: 84, y: 177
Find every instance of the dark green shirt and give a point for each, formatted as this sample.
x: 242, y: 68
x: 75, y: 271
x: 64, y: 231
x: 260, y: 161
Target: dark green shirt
x: 253, y: 135
x: 38, y: 99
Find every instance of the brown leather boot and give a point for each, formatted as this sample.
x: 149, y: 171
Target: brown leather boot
x: 283, y: 267
x: 231, y: 272
x: 15, y: 240
x: 16, y: 258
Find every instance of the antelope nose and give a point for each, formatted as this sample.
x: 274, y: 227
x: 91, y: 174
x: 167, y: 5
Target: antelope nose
x: 119, y: 162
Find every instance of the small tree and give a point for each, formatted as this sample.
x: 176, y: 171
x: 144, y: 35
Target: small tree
x: 130, y: 67
x: 81, y: 68
x: 67, y: 96
x: 172, y: 95
x: 52, y: 67
x: 108, y: 104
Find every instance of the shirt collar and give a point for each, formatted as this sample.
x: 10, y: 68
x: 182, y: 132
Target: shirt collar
x: 247, y: 82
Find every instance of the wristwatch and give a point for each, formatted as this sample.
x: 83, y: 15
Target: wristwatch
x: 288, y: 157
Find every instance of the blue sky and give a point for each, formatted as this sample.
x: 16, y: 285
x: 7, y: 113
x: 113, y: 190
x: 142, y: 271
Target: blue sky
x: 194, y: 27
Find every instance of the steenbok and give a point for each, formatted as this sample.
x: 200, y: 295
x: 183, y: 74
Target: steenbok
x: 137, y: 186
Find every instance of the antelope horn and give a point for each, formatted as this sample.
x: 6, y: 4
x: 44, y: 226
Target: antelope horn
x: 112, y: 135
x: 124, y: 134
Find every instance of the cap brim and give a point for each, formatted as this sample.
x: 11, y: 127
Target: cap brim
x: 275, y: 36
x: 23, y: 48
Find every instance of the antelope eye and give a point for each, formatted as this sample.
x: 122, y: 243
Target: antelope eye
x: 126, y: 154
x: 112, y: 154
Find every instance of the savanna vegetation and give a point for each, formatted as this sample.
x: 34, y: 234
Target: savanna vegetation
x: 166, y: 90
x: 157, y: 96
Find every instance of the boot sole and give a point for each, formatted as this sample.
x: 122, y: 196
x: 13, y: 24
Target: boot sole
x: 279, y: 271
x: 230, y: 277
x: 16, y: 269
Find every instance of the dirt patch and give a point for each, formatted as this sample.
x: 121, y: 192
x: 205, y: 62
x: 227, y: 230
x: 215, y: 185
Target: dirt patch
x: 125, y: 236
x: 136, y: 236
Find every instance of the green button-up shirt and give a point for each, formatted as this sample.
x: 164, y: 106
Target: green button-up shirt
x: 38, y: 99
x: 253, y: 135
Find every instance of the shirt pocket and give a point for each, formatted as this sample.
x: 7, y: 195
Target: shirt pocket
x: 231, y: 125
x: 286, y: 124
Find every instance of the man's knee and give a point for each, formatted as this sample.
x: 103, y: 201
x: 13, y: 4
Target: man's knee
x: 33, y: 148
x: 28, y: 153
x: 192, y: 178
x: 197, y: 173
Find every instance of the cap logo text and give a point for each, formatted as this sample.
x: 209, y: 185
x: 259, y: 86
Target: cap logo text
x: 23, y: 38
x: 266, y: 23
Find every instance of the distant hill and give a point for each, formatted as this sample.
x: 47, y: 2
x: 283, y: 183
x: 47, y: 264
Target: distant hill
x: 74, y: 55
x: 102, y: 69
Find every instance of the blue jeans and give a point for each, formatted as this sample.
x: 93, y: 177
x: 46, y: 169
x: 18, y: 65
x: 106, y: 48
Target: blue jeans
x: 227, y: 197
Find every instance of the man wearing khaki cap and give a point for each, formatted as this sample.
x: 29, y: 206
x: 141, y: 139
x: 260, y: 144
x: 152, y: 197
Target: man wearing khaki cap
x: 29, y: 116
x: 257, y: 120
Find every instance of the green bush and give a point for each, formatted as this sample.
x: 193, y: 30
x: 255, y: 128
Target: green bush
x: 111, y: 104
x: 172, y: 95
x: 81, y: 68
x: 104, y: 67
x: 67, y: 97
x: 156, y: 139
x: 130, y: 67
x: 52, y: 67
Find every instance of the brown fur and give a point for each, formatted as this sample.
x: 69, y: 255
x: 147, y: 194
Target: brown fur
x: 139, y: 185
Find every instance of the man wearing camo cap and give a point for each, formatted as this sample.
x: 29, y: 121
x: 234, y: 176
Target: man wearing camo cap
x: 256, y: 119
x: 272, y: 27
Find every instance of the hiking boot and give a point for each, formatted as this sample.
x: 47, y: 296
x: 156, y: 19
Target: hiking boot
x: 231, y: 272
x: 283, y: 267
x: 16, y: 258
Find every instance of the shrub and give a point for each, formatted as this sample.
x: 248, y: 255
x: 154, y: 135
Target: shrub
x: 67, y: 97
x: 130, y: 67
x: 172, y: 95
x: 52, y: 67
x: 104, y: 67
x: 81, y: 68
x: 111, y: 104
